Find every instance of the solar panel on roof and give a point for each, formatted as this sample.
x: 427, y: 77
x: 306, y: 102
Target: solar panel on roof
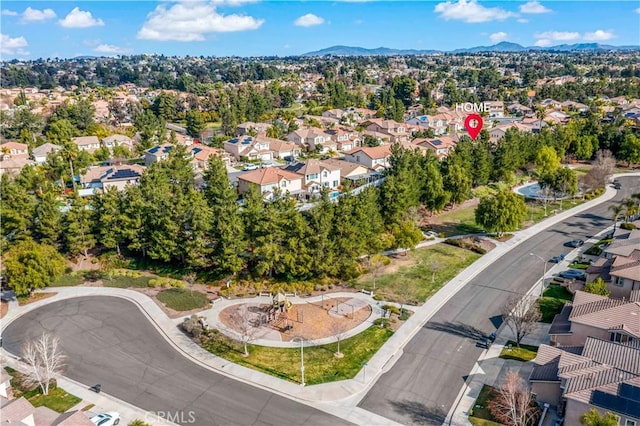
x: 615, y: 403
x: 154, y: 149
x: 629, y: 391
x: 436, y: 142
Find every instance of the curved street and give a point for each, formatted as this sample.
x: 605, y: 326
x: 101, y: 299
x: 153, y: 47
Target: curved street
x: 423, y: 385
x: 109, y: 341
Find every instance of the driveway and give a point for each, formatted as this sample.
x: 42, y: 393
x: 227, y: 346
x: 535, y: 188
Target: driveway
x: 423, y: 384
x: 109, y: 341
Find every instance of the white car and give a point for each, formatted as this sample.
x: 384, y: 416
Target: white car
x: 110, y: 418
x: 248, y: 167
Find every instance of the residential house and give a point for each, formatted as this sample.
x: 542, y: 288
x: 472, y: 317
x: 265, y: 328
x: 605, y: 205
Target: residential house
x: 551, y: 103
x: 201, y: 154
x: 592, y: 315
x: 249, y: 147
x: 17, y: 412
x: 283, y: 150
x: 442, y: 145
x: 20, y: 412
x: 353, y: 172
x: 116, y: 176
x: 251, y: 128
x: 601, y: 374
x: 574, y: 106
x: 334, y: 113
x: 316, y: 174
x: 619, y: 264
x: 5, y: 384
x: 117, y: 140
x: 308, y: 137
x: 72, y: 418
x: 519, y: 109
x: 87, y: 143
x: 157, y: 153
x: 14, y: 150
x: 13, y: 166
x: 495, y: 109
x: 270, y: 179
x: 345, y: 139
x: 376, y: 158
x: 556, y: 117
x: 396, y: 132
x: 40, y: 153
x: 497, y: 133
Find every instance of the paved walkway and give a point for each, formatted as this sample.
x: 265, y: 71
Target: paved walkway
x: 338, y: 398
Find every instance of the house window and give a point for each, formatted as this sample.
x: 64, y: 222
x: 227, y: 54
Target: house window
x: 325, y: 184
x: 335, y: 183
x: 630, y: 422
x: 283, y: 184
x: 619, y: 281
x: 313, y: 176
x: 325, y: 174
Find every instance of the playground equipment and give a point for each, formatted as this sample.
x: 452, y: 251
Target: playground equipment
x: 277, y: 314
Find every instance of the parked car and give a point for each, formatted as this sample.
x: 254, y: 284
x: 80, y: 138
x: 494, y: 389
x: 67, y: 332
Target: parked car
x: 557, y: 259
x: 575, y: 243
x: 617, y: 184
x: 248, y: 167
x: 572, y: 274
x: 110, y: 418
x: 268, y: 164
x: 430, y: 234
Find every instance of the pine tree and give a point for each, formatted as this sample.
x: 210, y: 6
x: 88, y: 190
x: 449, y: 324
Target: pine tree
x: 79, y: 238
x: 47, y: 220
x: 109, y: 219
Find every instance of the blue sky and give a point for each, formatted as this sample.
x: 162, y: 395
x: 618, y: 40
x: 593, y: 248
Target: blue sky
x: 33, y: 29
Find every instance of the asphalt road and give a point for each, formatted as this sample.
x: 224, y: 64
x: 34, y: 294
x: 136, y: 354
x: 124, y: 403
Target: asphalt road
x: 424, y: 383
x: 109, y: 341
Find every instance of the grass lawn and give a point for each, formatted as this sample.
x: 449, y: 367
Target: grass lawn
x: 476, y: 421
x: 535, y: 209
x: 68, y: 280
x: 430, y: 269
x: 181, y: 299
x: 126, y: 282
x: 554, y: 298
x: 579, y: 265
x: 523, y: 353
x: 459, y: 221
x: 58, y: 400
x: 480, y: 411
x: 321, y: 366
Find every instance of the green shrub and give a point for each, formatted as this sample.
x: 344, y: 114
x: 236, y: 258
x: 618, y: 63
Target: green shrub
x: 628, y: 226
x: 166, y: 282
x: 392, y: 309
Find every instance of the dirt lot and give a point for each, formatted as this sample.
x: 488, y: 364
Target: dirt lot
x: 310, y: 320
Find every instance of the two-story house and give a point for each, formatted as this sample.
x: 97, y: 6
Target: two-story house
x: 251, y: 128
x: 376, y: 158
x: 249, y: 147
x: 344, y: 138
x: 269, y: 180
x: 14, y: 150
x: 596, y: 316
x: 619, y: 264
x: 495, y: 109
x: 309, y: 137
x: 600, y: 374
x: 442, y: 145
x: 201, y: 154
x: 40, y: 153
x: 157, y: 153
x: 117, y: 140
x: 87, y: 143
x: 316, y: 174
x: 117, y: 176
x: 397, y: 132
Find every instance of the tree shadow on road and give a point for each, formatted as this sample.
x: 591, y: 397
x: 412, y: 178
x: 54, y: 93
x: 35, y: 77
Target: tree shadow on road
x: 457, y: 329
x: 420, y: 413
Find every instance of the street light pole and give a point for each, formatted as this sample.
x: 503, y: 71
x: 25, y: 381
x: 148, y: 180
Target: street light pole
x: 301, y: 358
x: 544, y: 272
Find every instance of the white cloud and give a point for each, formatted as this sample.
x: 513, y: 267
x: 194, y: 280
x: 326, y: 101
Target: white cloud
x: 534, y: 7
x: 13, y: 45
x: 191, y: 21
x: 543, y: 42
x: 638, y: 11
x: 80, y: 19
x: 499, y: 36
x: 7, y: 12
x: 358, y: 21
x: 110, y: 49
x: 232, y: 3
x: 35, y: 15
x: 599, y: 35
x: 557, y: 36
x: 522, y: 20
x: 471, y: 12
x: 308, y: 20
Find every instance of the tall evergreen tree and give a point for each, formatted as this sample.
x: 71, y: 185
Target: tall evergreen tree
x: 47, y: 219
x: 79, y: 238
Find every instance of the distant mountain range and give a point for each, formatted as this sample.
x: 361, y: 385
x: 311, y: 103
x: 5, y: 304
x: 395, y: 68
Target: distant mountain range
x: 500, y: 47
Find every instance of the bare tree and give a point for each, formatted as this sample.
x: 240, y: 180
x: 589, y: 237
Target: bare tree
x: 514, y: 404
x: 601, y: 169
x: 242, y: 320
x: 521, y: 316
x: 339, y: 329
x: 190, y: 278
x: 45, y: 361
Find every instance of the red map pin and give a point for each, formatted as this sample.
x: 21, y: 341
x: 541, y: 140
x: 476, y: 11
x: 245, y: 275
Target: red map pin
x: 473, y: 124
